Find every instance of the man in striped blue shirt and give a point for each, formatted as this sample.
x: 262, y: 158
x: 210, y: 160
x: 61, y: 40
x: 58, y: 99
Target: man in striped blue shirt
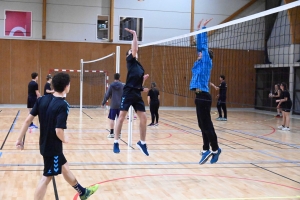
x: 199, y: 83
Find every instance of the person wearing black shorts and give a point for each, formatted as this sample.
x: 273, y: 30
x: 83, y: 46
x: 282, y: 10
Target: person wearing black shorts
x: 153, y: 102
x: 53, y: 112
x: 33, y: 94
x: 114, y: 92
x: 221, y: 98
x: 286, y: 105
x: 47, y: 87
x: 132, y: 96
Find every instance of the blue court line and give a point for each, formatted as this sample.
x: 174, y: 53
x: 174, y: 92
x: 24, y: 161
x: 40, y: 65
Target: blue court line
x: 153, y: 163
x: 0, y: 154
x: 245, y: 133
x: 285, y: 160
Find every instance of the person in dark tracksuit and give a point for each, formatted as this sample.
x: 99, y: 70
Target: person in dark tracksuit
x: 114, y: 92
x: 33, y: 94
x: 153, y: 102
x: 221, y: 98
x: 199, y: 83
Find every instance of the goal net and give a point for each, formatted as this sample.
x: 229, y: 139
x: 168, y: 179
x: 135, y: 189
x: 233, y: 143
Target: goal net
x: 253, y: 53
x: 95, y: 78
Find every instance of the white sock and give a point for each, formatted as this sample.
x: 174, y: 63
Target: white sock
x: 116, y: 141
x: 215, y: 151
x: 203, y: 151
x: 143, y: 142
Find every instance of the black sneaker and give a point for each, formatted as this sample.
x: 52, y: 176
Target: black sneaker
x: 151, y: 124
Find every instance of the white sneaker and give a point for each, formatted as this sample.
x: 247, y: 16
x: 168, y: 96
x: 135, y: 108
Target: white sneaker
x: 110, y: 135
x: 286, y: 129
x: 280, y: 127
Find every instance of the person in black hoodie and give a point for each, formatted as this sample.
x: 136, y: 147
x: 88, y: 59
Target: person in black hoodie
x: 114, y: 92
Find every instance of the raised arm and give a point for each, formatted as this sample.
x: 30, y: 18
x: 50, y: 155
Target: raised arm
x: 134, y: 44
x: 202, y: 37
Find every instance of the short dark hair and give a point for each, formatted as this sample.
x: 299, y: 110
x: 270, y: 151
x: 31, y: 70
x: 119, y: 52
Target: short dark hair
x: 49, y: 77
x: 60, y: 81
x: 34, y: 75
x: 153, y: 84
x: 211, y: 53
x: 222, y: 76
x: 117, y: 76
x: 284, y: 86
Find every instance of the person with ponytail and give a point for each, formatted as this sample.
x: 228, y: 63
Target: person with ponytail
x: 286, y: 104
x: 153, y: 102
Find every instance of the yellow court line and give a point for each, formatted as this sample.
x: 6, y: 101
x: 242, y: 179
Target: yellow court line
x: 253, y: 198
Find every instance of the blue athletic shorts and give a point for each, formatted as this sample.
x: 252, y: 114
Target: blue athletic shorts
x: 113, y: 113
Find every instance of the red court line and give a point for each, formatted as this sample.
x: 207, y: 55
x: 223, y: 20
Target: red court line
x: 202, y: 175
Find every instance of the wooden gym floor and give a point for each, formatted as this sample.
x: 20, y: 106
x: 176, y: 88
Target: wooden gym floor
x: 257, y: 161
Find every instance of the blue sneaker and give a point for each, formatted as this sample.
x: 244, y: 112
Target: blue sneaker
x: 205, y: 157
x: 215, y: 156
x: 142, y: 147
x: 116, y: 148
x: 34, y: 126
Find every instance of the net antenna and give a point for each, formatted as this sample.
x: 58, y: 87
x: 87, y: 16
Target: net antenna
x: 82, y: 72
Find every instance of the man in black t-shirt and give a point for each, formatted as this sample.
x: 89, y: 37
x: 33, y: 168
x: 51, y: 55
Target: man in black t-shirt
x: 221, y: 98
x: 33, y: 94
x: 53, y: 112
x: 132, y: 96
x: 47, y: 87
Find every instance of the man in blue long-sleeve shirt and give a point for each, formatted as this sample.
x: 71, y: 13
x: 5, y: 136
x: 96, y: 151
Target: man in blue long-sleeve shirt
x: 199, y: 83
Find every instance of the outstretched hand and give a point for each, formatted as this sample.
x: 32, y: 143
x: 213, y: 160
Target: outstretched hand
x: 206, y: 22
x: 130, y: 31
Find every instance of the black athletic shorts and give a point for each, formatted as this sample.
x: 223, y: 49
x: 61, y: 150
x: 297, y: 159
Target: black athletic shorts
x: 133, y: 99
x: 53, y: 164
x: 287, y: 106
x: 31, y: 101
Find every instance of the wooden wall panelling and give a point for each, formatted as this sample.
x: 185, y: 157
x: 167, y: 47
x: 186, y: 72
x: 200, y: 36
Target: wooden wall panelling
x: 5, y: 72
x: 24, y: 61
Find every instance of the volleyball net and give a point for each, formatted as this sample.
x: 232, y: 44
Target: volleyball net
x: 253, y: 53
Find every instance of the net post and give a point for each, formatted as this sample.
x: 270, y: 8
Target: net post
x: 81, y: 83
x: 130, y: 113
x: 117, y: 59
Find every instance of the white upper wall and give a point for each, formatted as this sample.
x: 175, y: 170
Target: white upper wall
x: 34, y: 6
x: 75, y: 20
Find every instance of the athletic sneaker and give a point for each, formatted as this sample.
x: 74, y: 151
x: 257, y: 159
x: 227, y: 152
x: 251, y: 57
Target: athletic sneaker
x: 111, y: 135
x: 215, y: 156
x: 277, y: 116
x: 116, y: 148
x: 134, y: 117
x: 89, y: 191
x: 151, y: 124
x: 280, y: 127
x: 219, y: 119
x: 205, y: 157
x: 224, y: 119
x: 156, y: 124
x: 286, y: 129
x: 35, y: 126
x: 142, y: 147
x: 31, y: 127
x: 120, y: 135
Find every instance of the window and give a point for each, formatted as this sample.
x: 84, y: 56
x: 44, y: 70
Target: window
x: 131, y: 23
x: 102, y: 28
x: 17, y: 23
